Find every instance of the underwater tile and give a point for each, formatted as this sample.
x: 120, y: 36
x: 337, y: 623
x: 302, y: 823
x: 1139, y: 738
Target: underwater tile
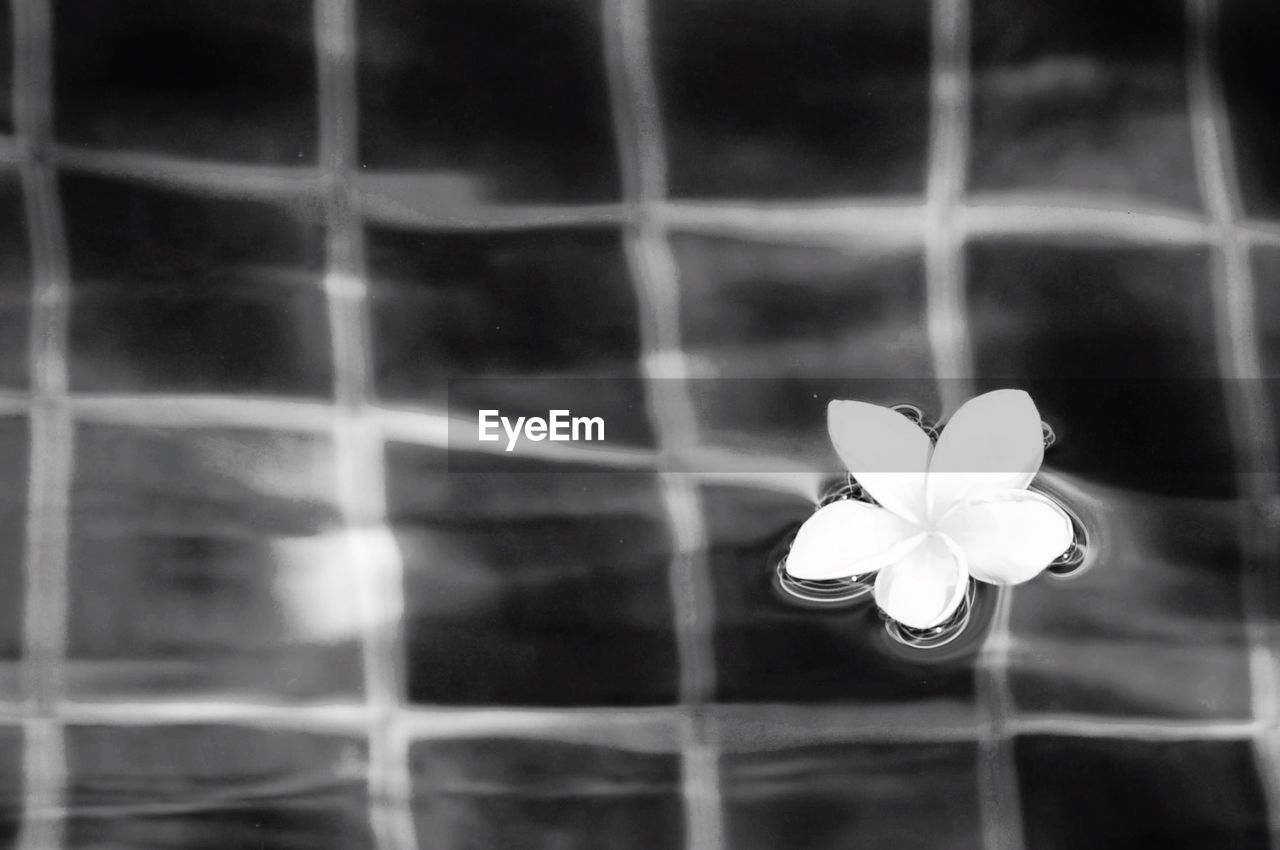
x: 488, y: 101
x: 785, y: 328
x: 228, y: 80
x: 11, y: 784
x: 173, y: 292
x: 7, y: 54
x: 1122, y: 793
x: 1117, y: 345
x: 1265, y: 262
x: 1082, y: 98
x: 1152, y: 628
x: 205, y: 787
x: 533, y: 583
x: 545, y: 795
x: 537, y: 320
x: 15, y: 284
x: 834, y: 796
x: 14, y: 460
x: 805, y: 100
x: 767, y: 649
x: 209, y: 562
x: 1251, y: 82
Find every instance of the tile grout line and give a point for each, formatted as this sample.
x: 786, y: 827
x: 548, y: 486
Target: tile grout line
x: 642, y: 160
x: 358, y: 443
x: 1239, y: 358
x: 214, y: 178
x: 436, y: 723
x: 902, y: 218
x: 948, y: 223
x: 944, y: 262
x: 423, y: 427
x: 46, y: 546
x: 998, y: 772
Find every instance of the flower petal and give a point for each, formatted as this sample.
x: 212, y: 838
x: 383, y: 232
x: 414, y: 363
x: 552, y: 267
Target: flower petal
x: 991, y: 444
x: 846, y: 539
x: 925, y: 586
x: 1009, y: 538
x: 885, y: 451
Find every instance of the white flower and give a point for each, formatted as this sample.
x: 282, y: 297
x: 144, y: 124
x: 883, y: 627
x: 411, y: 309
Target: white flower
x: 949, y: 512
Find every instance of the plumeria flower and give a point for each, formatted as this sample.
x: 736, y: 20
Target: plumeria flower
x: 945, y: 513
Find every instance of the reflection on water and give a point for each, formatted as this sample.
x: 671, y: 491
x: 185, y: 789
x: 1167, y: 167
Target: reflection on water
x: 937, y: 636
x: 585, y: 657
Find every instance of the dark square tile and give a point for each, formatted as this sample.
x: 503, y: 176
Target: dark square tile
x: 214, y: 79
x: 203, y: 787
x: 546, y: 304
x: 533, y: 583
x: 1116, y: 344
x: 1153, y: 628
x: 458, y: 303
x: 1085, y: 97
x: 786, y: 328
x: 181, y: 293
x: 1129, y: 794
x: 208, y: 562
x: 769, y: 650
x: 545, y: 795
x: 7, y: 57
x: 1251, y: 81
x: 853, y: 795
x: 1266, y: 283
x: 14, y: 456
x: 11, y: 785
x: 15, y: 284
x: 803, y: 100
x: 494, y: 100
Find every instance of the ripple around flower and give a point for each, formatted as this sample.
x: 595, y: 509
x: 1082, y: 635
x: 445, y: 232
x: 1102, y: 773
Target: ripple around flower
x: 828, y: 592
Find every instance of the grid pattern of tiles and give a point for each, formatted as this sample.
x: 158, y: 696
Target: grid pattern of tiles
x: 244, y: 562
